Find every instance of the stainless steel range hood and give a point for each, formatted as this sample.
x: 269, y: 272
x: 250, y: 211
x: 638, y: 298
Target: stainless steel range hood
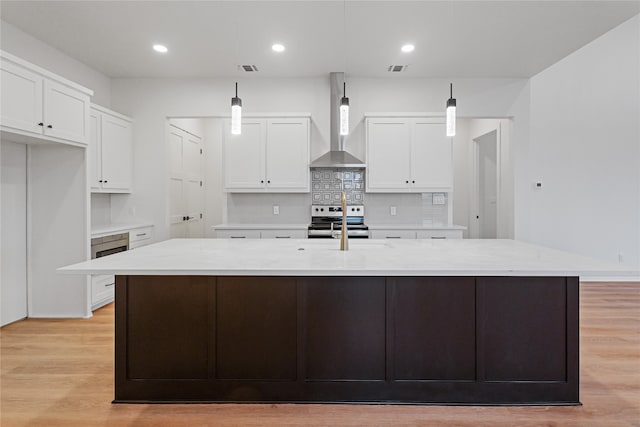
x: 337, y: 157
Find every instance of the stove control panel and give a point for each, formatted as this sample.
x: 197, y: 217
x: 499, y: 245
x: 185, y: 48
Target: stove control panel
x: 352, y: 210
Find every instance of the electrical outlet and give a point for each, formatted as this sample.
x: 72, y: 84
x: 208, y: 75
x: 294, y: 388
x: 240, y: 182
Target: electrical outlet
x: 538, y: 185
x: 392, y: 210
x: 620, y: 258
x: 276, y: 210
x: 438, y: 199
x: 132, y: 211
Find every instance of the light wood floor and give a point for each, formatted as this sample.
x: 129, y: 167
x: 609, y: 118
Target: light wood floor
x: 59, y: 373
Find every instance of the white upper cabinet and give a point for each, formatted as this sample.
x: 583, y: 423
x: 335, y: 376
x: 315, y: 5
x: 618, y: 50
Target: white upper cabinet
x: 41, y: 105
x: 244, y: 163
x: 408, y: 155
x: 287, y: 154
x: 271, y: 155
x: 110, y: 151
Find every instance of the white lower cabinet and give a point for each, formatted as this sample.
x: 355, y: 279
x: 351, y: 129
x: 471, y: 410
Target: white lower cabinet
x: 103, y: 285
x: 439, y: 234
x: 238, y: 234
x: 416, y: 234
x: 261, y: 234
x: 393, y: 234
x: 283, y: 234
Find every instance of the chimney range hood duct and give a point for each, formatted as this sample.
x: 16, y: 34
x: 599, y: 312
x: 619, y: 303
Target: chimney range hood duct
x: 336, y: 157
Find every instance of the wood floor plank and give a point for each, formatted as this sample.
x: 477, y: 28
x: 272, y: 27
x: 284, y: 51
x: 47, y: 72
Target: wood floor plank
x: 59, y: 373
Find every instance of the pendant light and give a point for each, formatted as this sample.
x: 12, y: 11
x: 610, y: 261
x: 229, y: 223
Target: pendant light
x: 451, y: 114
x: 344, y: 111
x: 236, y: 114
x: 344, y: 102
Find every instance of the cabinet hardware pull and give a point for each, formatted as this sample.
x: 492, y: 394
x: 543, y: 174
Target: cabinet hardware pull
x: 283, y: 237
x: 268, y: 182
x: 100, y: 181
x: 141, y: 234
x: 413, y: 182
x: 238, y: 237
x: 393, y: 237
x: 406, y: 182
x: 110, y: 284
x: 438, y: 237
x: 50, y: 126
x: 40, y: 124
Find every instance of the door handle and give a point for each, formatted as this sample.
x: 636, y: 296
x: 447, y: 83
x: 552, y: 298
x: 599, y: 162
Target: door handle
x: 50, y: 126
x: 40, y: 124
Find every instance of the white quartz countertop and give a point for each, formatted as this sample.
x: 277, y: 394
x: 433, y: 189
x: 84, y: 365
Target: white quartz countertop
x: 304, y: 257
x: 237, y: 226
x: 423, y: 226
x: 106, y: 229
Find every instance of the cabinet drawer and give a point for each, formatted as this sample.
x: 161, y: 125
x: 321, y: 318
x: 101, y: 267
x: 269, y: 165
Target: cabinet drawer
x: 238, y: 234
x: 102, y: 290
x: 139, y: 234
x: 393, y: 234
x: 283, y: 234
x: 440, y: 234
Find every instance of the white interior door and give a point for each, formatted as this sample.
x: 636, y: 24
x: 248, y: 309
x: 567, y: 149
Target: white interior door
x: 487, y: 185
x: 192, y: 171
x: 13, y: 262
x: 177, y: 213
x: 185, y: 184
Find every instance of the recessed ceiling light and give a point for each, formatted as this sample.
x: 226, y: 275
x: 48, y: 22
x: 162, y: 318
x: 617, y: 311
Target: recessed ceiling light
x: 160, y: 48
x: 408, y: 48
x: 277, y: 47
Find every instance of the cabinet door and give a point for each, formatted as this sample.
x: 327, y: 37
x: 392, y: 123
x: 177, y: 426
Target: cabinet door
x: 116, y: 153
x: 244, y: 162
x: 94, y: 149
x: 66, y: 113
x: 287, y: 154
x: 388, y: 154
x: 431, y: 156
x: 21, y: 99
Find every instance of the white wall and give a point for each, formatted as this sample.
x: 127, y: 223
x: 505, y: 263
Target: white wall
x: 13, y: 232
x: 27, y: 47
x: 585, y: 148
x: 151, y: 101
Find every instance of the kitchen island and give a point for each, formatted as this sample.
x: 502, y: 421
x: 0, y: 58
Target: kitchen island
x: 445, y: 321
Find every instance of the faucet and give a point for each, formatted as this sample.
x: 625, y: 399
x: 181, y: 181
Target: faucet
x: 344, y: 236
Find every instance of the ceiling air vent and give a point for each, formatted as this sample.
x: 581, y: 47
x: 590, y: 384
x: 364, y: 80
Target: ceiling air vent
x: 397, y: 68
x: 248, y: 68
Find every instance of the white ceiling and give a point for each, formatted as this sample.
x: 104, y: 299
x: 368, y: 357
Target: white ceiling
x: 209, y: 38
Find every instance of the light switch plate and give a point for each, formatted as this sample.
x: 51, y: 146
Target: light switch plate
x: 438, y: 198
x: 276, y: 210
x: 392, y: 210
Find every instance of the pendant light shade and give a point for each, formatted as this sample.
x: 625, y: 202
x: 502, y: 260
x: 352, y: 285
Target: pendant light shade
x: 344, y: 112
x: 236, y: 114
x: 451, y: 114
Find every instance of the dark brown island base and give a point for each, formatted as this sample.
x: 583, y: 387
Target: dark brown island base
x: 415, y: 340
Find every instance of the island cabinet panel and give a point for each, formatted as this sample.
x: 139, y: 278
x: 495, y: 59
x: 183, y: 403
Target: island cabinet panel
x: 345, y: 328
x: 427, y: 339
x: 168, y: 324
x: 434, y: 331
x: 256, y: 328
x: 535, y: 308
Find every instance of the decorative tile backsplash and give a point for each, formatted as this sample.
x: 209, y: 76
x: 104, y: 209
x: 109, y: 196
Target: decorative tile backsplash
x: 327, y: 186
